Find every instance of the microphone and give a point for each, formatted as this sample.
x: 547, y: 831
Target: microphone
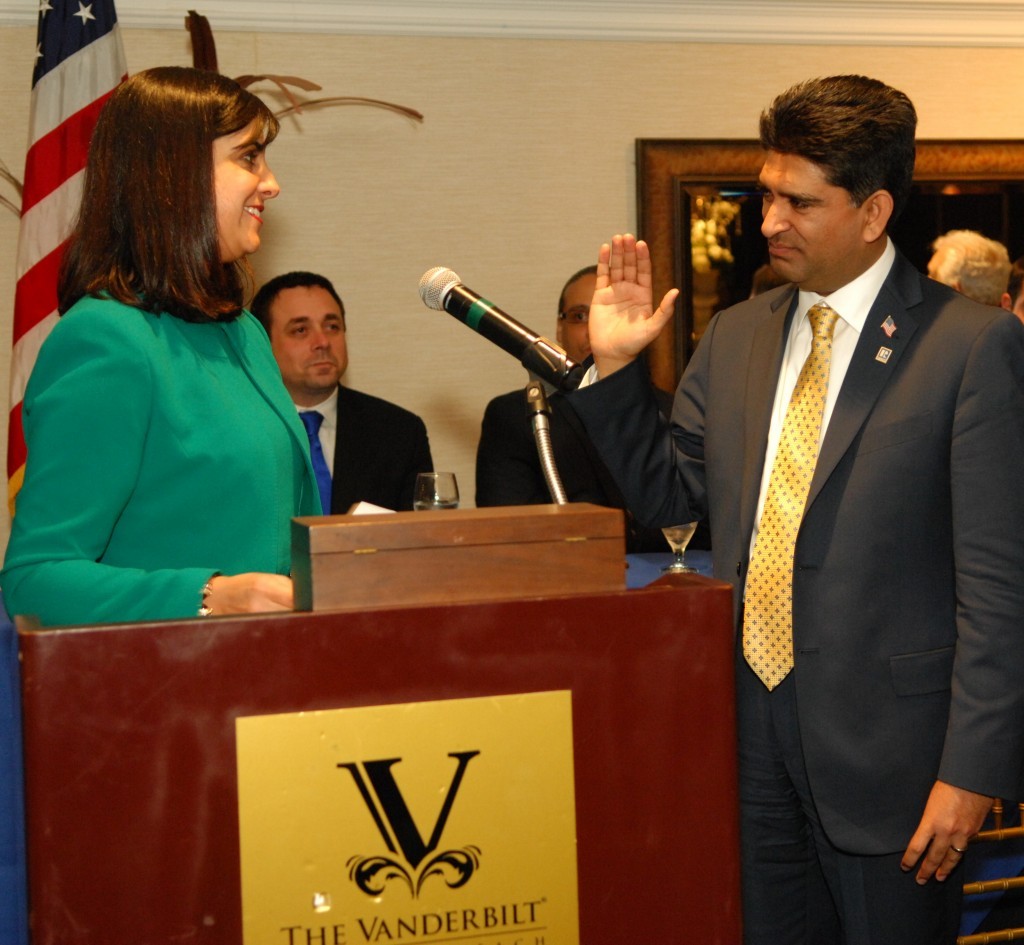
x: 442, y: 289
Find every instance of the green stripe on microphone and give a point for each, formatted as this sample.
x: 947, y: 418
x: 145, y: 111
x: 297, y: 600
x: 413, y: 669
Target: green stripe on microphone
x: 477, y: 312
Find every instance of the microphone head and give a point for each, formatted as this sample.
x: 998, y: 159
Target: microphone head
x: 435, y: 284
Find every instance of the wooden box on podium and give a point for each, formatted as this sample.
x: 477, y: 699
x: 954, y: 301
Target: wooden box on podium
x: 357, y: 561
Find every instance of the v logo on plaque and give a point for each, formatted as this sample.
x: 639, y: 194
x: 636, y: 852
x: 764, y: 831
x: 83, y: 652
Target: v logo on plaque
x: 386, y: 803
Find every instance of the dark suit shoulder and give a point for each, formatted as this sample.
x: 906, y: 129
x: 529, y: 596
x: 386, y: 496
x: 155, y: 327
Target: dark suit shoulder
x: 356, y: 402
x: 507, y: 468
x: 379, y: 451
x: 939, y: 303
x: 760, y: 306
x: 507, y: 410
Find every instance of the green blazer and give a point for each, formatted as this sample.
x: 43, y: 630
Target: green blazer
x: 159, y: 452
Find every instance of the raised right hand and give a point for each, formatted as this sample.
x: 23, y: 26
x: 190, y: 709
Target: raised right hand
x: 623, y: 320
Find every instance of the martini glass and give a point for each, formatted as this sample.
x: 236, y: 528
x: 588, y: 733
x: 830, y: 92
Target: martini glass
x: 678, y: 537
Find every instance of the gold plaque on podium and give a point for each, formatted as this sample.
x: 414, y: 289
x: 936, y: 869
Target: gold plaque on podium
x: 430, y: 822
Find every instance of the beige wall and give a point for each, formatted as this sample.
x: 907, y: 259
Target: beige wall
x: 523, y: 165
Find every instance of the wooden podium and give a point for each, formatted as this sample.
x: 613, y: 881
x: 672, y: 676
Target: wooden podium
x: 130, y: 753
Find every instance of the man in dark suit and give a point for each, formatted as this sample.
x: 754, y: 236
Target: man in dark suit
x: 892, y: 708
x: 369, y: 450
x: 508, y: 470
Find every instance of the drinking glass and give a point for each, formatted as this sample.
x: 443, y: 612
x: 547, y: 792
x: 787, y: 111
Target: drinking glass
x: 435, y: 490
x: 678, y: 537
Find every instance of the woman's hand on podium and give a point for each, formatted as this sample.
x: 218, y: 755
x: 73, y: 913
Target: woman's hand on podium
x: 252, y: 593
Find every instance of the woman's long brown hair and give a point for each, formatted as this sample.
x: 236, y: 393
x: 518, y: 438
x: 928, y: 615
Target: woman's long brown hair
x: 146, y: 233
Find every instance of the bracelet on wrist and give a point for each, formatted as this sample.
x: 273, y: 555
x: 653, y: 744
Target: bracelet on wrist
x: 204, y: 599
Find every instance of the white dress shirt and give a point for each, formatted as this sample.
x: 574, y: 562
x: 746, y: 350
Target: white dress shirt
x: 853, y: 302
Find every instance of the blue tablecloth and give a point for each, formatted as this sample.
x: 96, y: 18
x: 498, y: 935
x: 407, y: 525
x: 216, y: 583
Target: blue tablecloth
x: 644, y: 568
x: 13, y: 884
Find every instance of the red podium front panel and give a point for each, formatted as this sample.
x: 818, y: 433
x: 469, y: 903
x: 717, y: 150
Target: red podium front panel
x: 131, y: 769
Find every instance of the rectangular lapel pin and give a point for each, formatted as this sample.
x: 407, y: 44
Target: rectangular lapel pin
x: 889, y: 326
x: 883, y: 355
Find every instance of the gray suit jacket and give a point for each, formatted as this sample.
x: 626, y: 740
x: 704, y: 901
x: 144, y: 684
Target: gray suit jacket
x: 908, y: 590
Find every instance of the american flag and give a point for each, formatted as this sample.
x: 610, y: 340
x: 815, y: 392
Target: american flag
x: 79, y: 62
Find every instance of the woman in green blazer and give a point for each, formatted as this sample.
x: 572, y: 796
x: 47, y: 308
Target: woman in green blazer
x: 165, y: 459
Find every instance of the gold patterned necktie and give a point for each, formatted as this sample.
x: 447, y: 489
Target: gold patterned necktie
x: 768, y: 601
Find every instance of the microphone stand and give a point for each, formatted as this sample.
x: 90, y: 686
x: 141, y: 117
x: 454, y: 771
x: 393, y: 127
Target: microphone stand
x: 539, y: 410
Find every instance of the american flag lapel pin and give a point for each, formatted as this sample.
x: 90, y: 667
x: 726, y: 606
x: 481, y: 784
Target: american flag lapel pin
x: 889, y: 326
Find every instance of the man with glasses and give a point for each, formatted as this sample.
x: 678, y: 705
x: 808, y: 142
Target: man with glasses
x: 508, y: 470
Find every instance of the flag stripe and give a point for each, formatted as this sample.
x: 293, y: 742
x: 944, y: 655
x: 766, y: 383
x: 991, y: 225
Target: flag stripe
x: 23, y: 355
x: 93, y: 70
x: 35, y: 295
x: 60, y: 154
x: 48, y: 223
x: 16, y: 435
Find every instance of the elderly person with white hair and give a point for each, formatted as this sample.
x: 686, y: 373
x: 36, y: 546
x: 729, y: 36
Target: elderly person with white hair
x: 974, y: 265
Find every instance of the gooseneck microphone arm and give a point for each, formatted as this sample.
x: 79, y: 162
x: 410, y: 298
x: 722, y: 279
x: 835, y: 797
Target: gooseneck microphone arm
x: 442, y: 289
x: 540, y: 412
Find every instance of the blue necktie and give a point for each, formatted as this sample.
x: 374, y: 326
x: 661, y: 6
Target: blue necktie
x: 311, y: 420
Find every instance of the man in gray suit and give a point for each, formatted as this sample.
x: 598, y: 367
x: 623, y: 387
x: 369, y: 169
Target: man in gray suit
x: 871, y: 757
